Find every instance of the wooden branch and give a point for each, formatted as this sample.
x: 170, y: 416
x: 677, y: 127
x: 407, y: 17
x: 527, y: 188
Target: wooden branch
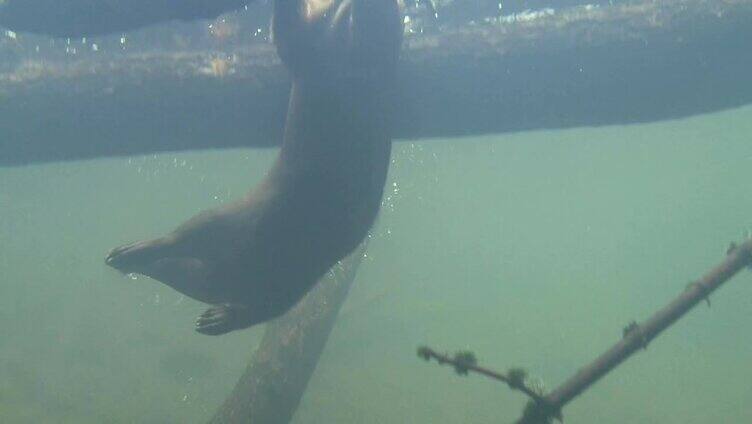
x: 542, y: 409
x: 464, y: 362
x: 631, y: 62
x: 638, y: 336
x: 274, y: 382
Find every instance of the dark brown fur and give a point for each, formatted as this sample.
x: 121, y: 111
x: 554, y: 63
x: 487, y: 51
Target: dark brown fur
x: 254, y: 259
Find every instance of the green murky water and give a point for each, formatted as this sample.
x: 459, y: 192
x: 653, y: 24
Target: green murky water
x: 532, y: 249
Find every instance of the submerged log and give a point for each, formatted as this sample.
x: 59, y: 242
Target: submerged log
x: 272, y: 385
x: 633, y: 62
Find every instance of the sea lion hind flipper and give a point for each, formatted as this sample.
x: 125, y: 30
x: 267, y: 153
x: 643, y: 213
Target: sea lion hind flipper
x: 189, y: 276
x: 134, y: 256
x: 223, y: 318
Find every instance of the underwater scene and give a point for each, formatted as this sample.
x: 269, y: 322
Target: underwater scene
x: 560, y: 172
x: 532, y: 250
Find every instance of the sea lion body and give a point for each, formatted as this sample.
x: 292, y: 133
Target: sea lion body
x: 255, y: 258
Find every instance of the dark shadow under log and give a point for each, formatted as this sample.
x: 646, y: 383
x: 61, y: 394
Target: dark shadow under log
x: 272, y: 385
x: 634, y: 62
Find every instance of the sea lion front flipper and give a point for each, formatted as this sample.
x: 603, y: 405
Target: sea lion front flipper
x: 223, y: 318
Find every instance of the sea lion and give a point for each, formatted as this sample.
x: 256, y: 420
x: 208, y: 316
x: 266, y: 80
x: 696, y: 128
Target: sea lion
x: 255, y: 258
